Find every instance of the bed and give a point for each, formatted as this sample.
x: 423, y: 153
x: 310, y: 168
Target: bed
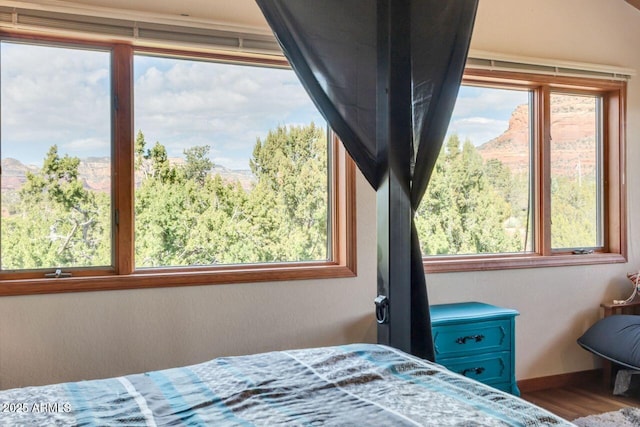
x: 357, y: 385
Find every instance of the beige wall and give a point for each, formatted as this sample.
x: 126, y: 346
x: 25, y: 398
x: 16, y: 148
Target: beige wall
x: 53, y: 338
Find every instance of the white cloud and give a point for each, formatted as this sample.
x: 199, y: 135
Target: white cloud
x: 93, y: 146
x: 494, y: 103
x: 61, y: 96
x: 478, y: 130
x: 52, y: 96
x: 186, y: 103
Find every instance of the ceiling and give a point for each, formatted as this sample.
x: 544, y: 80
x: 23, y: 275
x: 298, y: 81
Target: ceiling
x: 242, y: 13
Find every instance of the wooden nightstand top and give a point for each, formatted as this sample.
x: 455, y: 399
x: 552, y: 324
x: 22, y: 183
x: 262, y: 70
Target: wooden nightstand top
x: 629, y: 308
x: 441, y: 313
x: 612, y: 305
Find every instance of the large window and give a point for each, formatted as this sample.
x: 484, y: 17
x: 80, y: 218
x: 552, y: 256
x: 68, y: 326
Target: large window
x: 231, y: 165
x: 135, y: 168
x: 530, y: 175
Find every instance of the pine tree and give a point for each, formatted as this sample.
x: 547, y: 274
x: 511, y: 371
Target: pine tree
x: 462, y: 212
x: 58, y: 222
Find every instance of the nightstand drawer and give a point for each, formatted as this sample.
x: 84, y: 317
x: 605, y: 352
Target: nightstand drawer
x: 486, y: 368
x: 471, y: 338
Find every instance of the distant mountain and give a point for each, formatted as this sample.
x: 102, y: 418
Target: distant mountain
x: 95, y: 173
x: 244, y: 176
x: 14, y: 173
x: 572, y: 132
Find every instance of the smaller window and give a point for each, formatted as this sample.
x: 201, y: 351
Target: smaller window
x: 576, y: 172
x: 56, y: 157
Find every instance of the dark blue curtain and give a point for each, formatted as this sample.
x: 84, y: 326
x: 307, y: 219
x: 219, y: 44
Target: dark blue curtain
x: 334, y: 47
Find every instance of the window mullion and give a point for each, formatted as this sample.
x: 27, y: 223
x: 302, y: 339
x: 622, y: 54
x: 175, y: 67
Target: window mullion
x: 542, y: 139
x: 122, y: 70
x: 614, y: 170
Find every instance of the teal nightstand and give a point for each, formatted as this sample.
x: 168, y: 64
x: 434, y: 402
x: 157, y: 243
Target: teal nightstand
x: 478, y: 341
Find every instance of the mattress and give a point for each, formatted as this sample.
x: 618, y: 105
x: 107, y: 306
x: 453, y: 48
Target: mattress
x: 352, y: 385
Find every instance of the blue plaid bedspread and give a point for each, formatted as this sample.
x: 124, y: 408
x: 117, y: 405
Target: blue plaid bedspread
x: 353, y: 385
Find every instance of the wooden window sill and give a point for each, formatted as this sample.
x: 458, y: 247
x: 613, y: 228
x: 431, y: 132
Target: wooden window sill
x: 501, y: 262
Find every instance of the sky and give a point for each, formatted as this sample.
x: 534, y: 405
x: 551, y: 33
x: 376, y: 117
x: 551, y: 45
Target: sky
x: 184, y: 103
x: 481, y: 114
x: 53, y: 95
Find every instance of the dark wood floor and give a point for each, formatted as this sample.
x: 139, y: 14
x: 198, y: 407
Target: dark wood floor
x: 579, y: 401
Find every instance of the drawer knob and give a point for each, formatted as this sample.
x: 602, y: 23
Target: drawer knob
x: 476, y: 371
x: 475, y: 338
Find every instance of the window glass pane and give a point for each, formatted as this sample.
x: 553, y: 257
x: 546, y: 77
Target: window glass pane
x: 575, y: 172
x: 231, y: 165
x: 479, y: 198
x: 56, y: 164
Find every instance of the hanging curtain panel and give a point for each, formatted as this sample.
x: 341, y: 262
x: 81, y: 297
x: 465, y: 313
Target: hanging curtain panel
x: 374, y: 68
x: 331, y: 45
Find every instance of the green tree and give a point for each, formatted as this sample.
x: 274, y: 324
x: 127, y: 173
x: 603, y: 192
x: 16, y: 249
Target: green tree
x: 289, y: 201
x: 574, y: 214
x: 198, y: 165
x: 160, y: 207
x: 141, y: 158
x: 160, y: 166
x: 186, y: 216
x: 58, y: 223
x: 462, y: 213
x: 515, y: 190
x: 183, y: 214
